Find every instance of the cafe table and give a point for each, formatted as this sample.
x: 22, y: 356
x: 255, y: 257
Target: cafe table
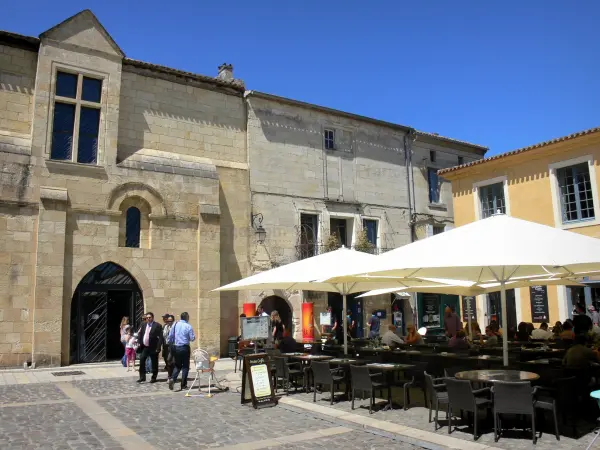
x: 389, y: 369
x: 489, y: 376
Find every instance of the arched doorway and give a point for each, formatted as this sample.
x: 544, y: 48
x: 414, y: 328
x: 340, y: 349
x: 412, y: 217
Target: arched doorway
x: 104, y: 295
x: 278, y: 304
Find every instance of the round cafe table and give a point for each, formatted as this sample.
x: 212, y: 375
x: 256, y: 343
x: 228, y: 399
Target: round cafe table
x: 488, y: 376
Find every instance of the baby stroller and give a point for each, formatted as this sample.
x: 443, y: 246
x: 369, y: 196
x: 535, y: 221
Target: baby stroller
x: 205, y: 364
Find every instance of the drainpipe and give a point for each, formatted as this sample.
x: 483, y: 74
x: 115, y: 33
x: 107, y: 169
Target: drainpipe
x: 409, y: 138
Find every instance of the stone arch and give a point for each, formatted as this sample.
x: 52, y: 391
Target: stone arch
x: 126, y: 263
x: 134, y: 189
x: 293, y: 301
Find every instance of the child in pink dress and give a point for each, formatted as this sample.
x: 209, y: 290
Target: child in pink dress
x: 130, y: 346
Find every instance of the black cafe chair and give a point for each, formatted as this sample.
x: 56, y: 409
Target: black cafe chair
x: 362, y: 381
x: 287, y: 373
x: 462, y: 397
x: 324, y: 375
x: 414, y: 377
x: 437, y: 395
x: 520, y: 398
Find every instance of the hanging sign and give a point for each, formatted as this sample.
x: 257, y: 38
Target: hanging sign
x: 539, y: 304
x: 468, y: 304
x: 257, y: 384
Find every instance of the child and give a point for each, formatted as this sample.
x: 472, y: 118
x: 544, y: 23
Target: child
x: 130, y: 348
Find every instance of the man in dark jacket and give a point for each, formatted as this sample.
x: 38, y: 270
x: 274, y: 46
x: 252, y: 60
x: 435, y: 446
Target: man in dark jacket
x: 150, y: 340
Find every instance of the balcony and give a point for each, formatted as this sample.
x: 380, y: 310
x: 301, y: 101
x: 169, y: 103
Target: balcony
x: 304, y: 251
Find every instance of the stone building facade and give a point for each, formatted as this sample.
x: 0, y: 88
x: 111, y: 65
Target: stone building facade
x: 167, y: 143
x: 316, y: 171
x: 128, y: 187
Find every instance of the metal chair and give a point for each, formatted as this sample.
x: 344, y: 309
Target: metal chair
x: 324, y: 375
x: 362, y: 380
x: 415, y: 377
x: 204, y: 363
x: 513, y: 398
x: 461, y: 396
x: 287, y: 372
x: 437, y: 396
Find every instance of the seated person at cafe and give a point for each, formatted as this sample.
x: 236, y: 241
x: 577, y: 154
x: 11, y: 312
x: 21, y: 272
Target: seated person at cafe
x: 579, y: 356
x: 474, y: 331
x: 390, y: 338
x: 459, y: 342
x: 492, y: 338
x: 542, y: 332
x: 413, y: 338
x: 287, y: 344
x: 567, y: 333
x: 522, y: 333
x: 495, y: 328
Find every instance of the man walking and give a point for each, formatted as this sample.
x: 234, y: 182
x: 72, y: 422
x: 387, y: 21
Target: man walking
x: 180, y: 336
x: 150, y: 339
x: 452, y: 323
x: 374, y: 325
x: 168, y: 320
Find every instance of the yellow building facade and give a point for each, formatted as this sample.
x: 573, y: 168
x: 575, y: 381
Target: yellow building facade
x: 554, y: 183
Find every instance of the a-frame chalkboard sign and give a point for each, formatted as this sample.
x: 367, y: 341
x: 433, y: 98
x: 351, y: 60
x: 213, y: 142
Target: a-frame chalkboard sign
x: 257, y: 384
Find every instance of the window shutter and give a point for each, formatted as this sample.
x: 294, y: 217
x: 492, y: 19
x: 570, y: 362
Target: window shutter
x: 429, y: 230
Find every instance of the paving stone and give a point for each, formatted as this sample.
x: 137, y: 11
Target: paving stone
x: 417, y: 416
x: 52, y: 427
x: 30, y: 393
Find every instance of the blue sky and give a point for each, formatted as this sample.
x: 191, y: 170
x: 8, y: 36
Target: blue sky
x: 504, y: 74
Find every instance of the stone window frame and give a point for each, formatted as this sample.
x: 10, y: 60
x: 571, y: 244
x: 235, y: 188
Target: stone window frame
x: 145, y: 224
x: 501, y: 179
x: 53, y: 98
x: 379, y: 222
x: 327, y: 139
x: 555, y: 189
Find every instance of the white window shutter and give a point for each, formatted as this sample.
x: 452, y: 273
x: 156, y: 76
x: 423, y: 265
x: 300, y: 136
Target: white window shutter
x: 429, y: 230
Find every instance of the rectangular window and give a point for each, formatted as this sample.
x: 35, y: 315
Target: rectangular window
x: 437, y: 229
x: 576, y: 198
x: 434, y: 185
x: 339, y: 227
x: 370, y: 226
x: 461, y: 160
x: 329, y: 136
x: 492, y: 200
x: 309, y: 236
x: 432, y: 155
x: 76, y: 118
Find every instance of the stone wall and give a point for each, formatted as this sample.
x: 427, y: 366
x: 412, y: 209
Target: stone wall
x: 17, y: 78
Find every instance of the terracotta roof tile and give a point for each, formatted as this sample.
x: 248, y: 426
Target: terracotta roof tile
x: 521, y: 150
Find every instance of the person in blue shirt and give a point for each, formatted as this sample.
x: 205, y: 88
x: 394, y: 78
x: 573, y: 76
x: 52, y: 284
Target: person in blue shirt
x: 180, y: 336
x: 374, y: 325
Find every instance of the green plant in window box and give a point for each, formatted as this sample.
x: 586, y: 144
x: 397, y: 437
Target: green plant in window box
x: 332, y: 242
x: 362, y: 242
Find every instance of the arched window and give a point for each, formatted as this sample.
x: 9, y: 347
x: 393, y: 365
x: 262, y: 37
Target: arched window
x: 133, y: 227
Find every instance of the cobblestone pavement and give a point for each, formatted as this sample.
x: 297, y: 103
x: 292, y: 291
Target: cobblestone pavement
x: 118, y: 413
x: 56, y: 427
x: 417, y: 416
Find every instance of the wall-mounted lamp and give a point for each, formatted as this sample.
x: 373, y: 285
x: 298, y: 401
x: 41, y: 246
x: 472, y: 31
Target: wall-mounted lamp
x: 261, y: 234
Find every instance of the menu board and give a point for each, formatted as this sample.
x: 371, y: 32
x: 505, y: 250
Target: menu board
x: 431, y: 310
x: 255, y: 328
x: 539, y: 304
x: 469, y: 304
x: 325, y: 319
x: 257, y: 385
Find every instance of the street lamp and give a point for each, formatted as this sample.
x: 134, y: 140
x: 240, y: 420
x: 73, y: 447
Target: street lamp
x: 259, y: 230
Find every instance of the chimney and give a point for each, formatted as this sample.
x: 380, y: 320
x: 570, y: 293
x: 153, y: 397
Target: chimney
x: 225, y: 72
